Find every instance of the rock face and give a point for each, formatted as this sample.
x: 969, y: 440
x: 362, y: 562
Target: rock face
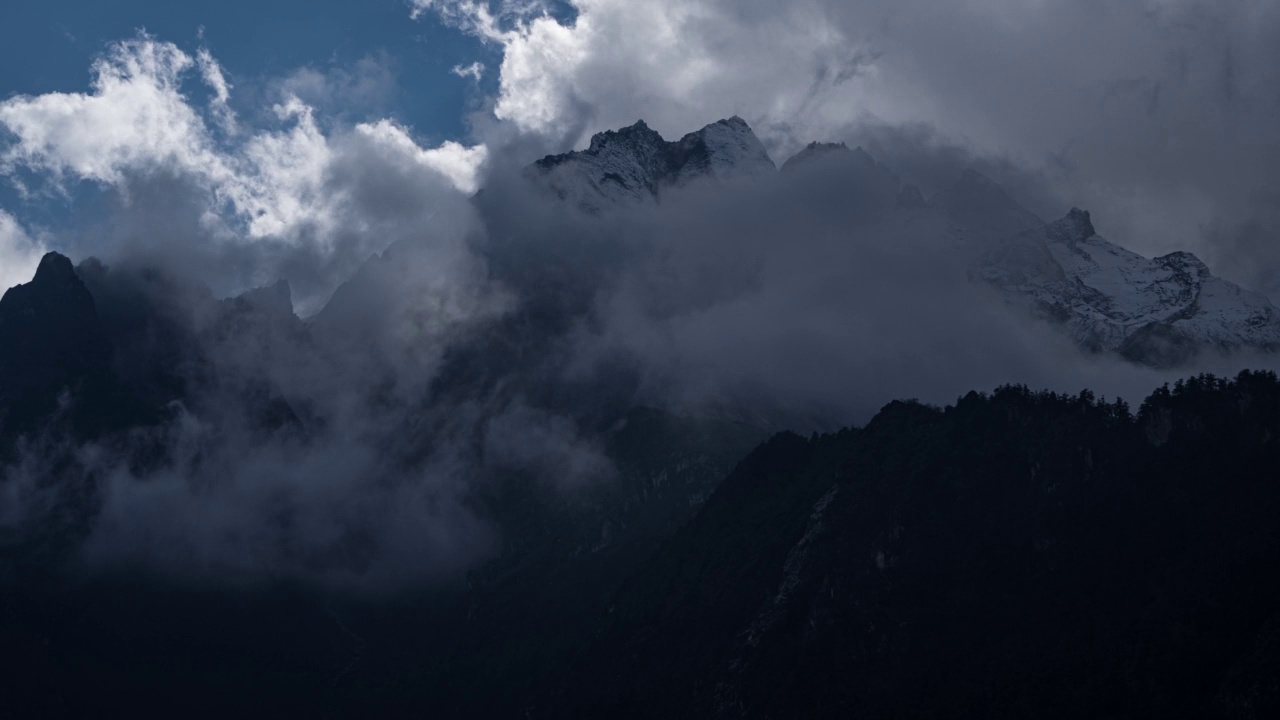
x: 51, y: 342
x: 636, y: 163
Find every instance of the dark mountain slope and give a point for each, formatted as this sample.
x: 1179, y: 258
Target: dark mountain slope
x: 52, y: 347
x: 1015, y: 555
x: 153, y: 645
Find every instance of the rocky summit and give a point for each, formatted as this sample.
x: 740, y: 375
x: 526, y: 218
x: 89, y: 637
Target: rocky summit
x: 636, y: 163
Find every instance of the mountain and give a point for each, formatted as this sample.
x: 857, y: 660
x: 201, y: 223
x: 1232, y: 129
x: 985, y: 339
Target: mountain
x: 636, y: 163
x: 52, y: 351
x: 1017, y: 554
x: 198, y: 376
x: 1158, y: 311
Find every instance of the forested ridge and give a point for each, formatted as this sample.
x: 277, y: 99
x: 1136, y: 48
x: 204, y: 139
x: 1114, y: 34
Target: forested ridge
x: 1016, y: 554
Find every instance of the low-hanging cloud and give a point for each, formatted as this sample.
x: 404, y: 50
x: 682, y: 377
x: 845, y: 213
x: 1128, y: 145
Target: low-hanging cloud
x: 788, y: 303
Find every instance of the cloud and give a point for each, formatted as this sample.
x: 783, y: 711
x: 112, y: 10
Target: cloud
x: 786, y: 303
x: 211, y: 73
x: 284, y: 184
x: 229, y: 508
x: 361, y: 91
x: 460, y: 164
x: 475, y: 334
x: 1155, y: 114
x: 136, y: 117
x: 679, y: 65
x: 475, y: 71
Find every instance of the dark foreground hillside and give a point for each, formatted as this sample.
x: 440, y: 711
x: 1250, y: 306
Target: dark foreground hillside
x: 1018, y: 554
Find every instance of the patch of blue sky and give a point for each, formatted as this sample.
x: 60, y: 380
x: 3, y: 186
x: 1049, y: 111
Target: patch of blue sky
x: 357, y: 60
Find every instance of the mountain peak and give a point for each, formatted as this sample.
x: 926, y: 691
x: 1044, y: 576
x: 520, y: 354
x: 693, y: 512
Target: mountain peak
x: 636, y: 133
x: 724, y: 149
x: 1157, y: 311
x: 54, y: 267
x: 1080, y: 219
x: 274, y: 299
x: 1076, y: 226
x: 55, y: 278
x: 635, y: 162
x: 734, y: 122
x: 50, y: 335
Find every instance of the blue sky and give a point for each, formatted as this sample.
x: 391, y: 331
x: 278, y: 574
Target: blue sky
x: 48, y: 46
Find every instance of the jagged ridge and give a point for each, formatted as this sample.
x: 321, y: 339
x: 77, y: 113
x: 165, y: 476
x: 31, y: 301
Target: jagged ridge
x: 636, y: 163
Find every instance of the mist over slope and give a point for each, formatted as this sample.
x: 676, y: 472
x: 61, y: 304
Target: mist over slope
x: 227, y: 438
x: 496, y: 466
x: 380, y: 360
x: 1014, y: 552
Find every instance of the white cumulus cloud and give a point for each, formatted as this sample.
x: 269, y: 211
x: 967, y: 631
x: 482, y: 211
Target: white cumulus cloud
x: 676, y: 64
x: 455, y: 161
x: 135, y: 118
x: 295, y: 181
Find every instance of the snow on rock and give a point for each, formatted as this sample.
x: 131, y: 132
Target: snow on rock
x: 1155, y: 310
x: 636, y: 163
x: 726, y: 149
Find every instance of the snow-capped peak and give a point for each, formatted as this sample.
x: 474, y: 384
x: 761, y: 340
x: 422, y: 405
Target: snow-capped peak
x: 1155, y: 310
x: 635, y: 163
x: 724, y: 149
